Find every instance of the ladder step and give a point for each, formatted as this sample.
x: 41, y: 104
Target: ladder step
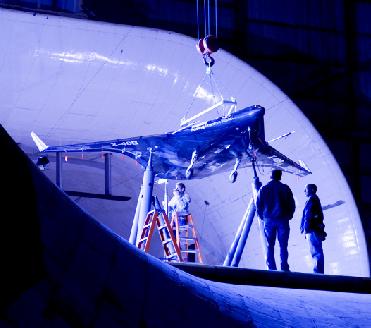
x: 188, y: 238
x: 162, y: 227
x: 143, y: 239
x: 190, y: 251
x: 166, y: 241
x: 186, y: 227
x: 172, y: 257
x: 175, y: 258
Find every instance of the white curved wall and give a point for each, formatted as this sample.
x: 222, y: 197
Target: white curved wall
x: 73, y: 80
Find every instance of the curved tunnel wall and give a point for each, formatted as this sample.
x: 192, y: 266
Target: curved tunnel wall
x: 73, y: 81
x: 62, y: 268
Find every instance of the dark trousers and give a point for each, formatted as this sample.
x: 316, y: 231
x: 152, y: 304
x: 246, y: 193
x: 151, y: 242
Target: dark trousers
x: 279, y: 229
x: 315, y: 246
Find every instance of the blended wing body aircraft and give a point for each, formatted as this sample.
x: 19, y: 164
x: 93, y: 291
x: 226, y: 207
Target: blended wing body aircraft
x: 198, y: 150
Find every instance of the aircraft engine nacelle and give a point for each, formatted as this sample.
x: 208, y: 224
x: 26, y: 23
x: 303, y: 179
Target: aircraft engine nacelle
x: 189, y: 171
x: 234, y: 173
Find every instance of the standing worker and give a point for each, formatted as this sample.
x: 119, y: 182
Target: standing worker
x: 180, y: 203
x: 313, y: 228
x: 275, y: 205
x: 179, y: 206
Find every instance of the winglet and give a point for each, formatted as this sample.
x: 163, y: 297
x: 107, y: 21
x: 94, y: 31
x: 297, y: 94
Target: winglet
x: 39, y: 143
x: 302, y: 164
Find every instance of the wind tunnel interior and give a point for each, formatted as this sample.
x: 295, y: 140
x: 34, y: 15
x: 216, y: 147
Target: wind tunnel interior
x: 94, y: 66
x: 62, y: 268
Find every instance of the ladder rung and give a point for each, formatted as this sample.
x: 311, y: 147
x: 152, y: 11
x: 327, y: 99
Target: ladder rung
x: 188, y: 238
x: 162, y: 227
x: 190, y: 251
x: 185, y: 227
x: 143, y: 239
x: 172, y: 256
x: 165, y: 241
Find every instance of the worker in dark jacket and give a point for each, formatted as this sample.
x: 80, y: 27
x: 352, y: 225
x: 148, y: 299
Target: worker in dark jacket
x: 313, y: 228
x: 275, y: 205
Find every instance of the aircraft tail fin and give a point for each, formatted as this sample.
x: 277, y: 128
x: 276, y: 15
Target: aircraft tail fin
x: 39, y: 143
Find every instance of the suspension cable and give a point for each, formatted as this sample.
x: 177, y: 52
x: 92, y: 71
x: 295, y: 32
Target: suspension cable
x: 205, y: 18
x: 208, y: 17
x: 216, y: 18
x: 214, y: 86
x: 198, y: 21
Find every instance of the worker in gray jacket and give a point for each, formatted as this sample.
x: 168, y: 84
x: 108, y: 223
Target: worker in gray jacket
x: 179, y: 203
x: 275, y: 205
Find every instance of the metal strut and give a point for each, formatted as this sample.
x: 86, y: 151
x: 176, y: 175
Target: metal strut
x: 144, y: 202
x: 235, y: 252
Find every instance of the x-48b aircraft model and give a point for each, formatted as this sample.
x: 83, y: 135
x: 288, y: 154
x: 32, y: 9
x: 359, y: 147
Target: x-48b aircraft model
x: 198, y: 150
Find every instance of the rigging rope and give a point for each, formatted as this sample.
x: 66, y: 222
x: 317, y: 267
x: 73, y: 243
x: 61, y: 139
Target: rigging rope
x: 205, y: 17
x: 208, y: 17
x: 198, y: 21
x: 216, y: 18
x: 206, y: 45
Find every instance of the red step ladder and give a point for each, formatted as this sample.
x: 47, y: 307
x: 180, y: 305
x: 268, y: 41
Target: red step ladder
x: 186, y: 239
x: 171, y: 248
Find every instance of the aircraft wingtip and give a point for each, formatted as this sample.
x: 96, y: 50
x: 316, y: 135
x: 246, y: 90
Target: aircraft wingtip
x: 305, y: 167
x: 41, y: 146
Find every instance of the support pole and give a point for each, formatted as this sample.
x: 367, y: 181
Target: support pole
x: 232, y: 249
x: 166, y: 201
x: 58, y: 169
x: 235, y: 252
x: 134, y: 227
x: 249, y: 218
x: 107, y: 174
x: 147, y: 187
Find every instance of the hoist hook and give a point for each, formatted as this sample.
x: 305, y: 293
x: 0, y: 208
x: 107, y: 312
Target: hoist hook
x: 208, y: 60
x: 206, y: 46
